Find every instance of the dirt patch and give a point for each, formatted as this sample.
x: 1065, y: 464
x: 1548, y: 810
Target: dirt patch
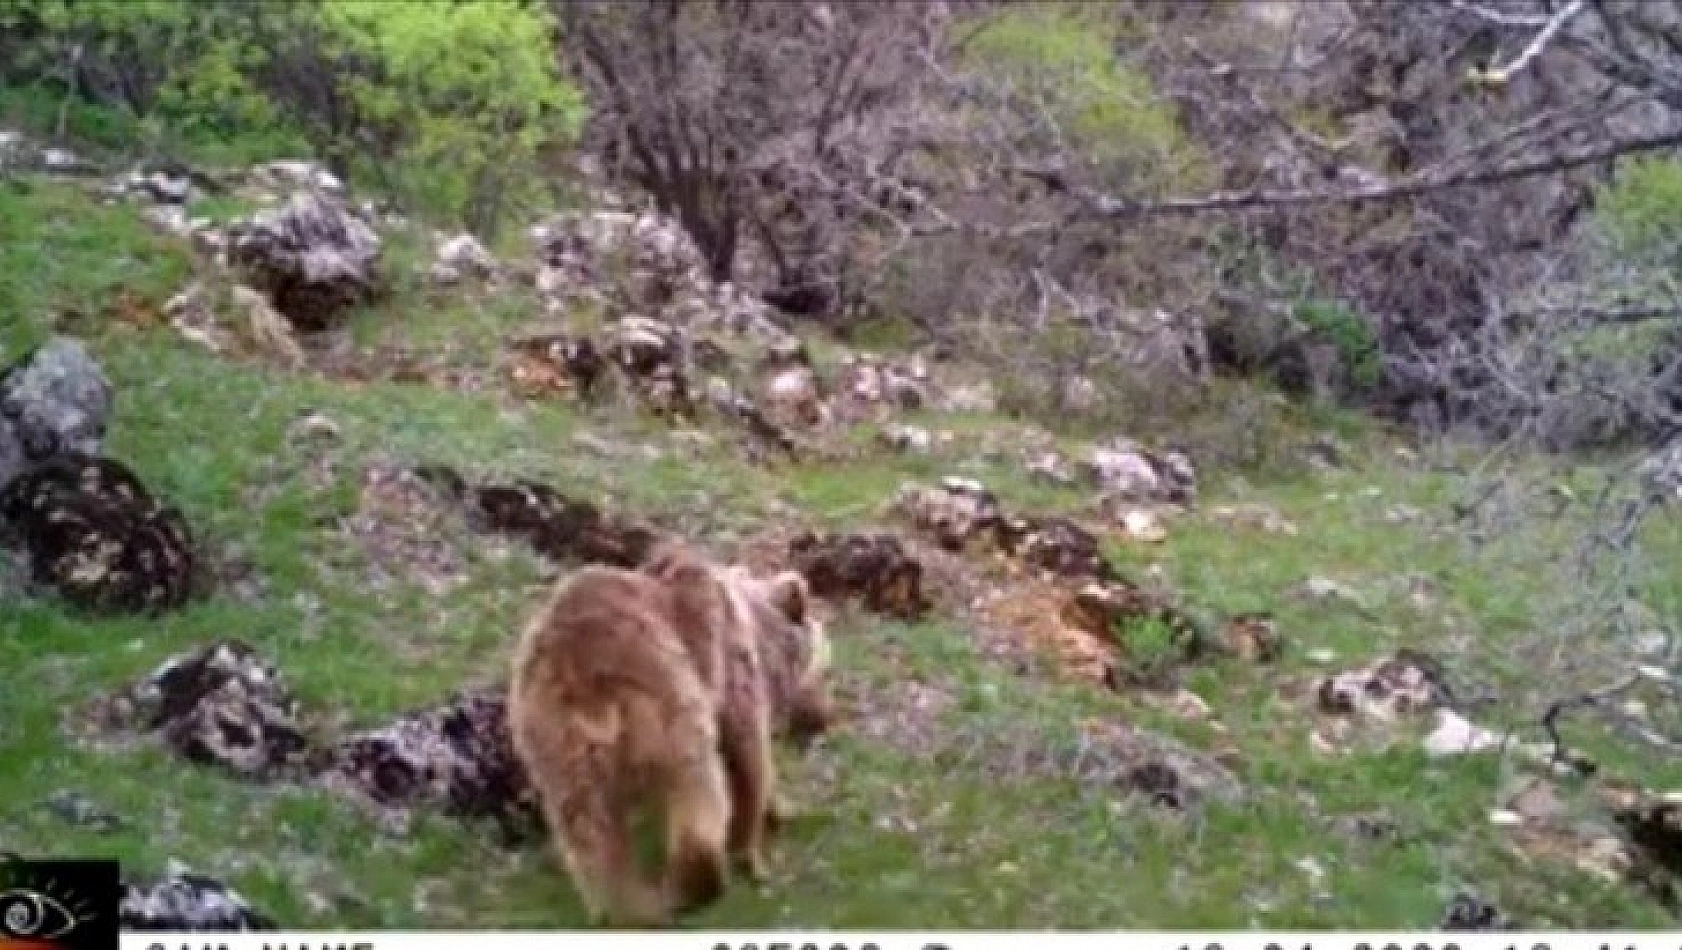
x: 1029, y: 618
x: 336, y: 359
x: 1629, y: 835
x: 1252, y: 517
x: 554, y: 364
x: 1108, y: 632
x: 408, y: 531
x: 903, y: 712
x: 1110, y: 755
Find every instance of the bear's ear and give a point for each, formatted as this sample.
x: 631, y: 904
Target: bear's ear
x: 790, y: 594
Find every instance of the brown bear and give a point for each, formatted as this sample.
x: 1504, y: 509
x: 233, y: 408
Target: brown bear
x: 662, y: 688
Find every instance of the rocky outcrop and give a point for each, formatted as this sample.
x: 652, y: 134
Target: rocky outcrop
x: 459, y: 258
x: 557, y: 527
x: 53, y: 401
x: 958, y: 512
x: 1126, y: 473
x: 871, y: 387
x: 875, y: 569
x: 311, y: 256
x: 457, y: 759
x: 92, y: 533
x: 644, y: 263
x: 220, y: 704
x: 184, y: 902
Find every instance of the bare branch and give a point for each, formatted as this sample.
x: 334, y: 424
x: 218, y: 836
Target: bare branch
x: 1098, y: 205
x: 1555, y: 23
x: 1608, y: 315
x: 1499, y: 18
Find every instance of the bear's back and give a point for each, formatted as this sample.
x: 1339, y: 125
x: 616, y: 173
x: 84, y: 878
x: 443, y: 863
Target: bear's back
x: 602, y: 631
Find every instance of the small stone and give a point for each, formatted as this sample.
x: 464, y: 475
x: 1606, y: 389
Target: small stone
x: 1141, y: 525
x: 1050, y: 468
x: 1183, y: 704
x: 1651, y: 644
x: 1401, y: 514
x: 906, y: 438
x: 314, y: 426
x: 1456, y: 735
x: 77, y: 809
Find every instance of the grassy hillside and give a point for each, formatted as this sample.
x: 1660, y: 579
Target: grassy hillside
x: 931, y: 808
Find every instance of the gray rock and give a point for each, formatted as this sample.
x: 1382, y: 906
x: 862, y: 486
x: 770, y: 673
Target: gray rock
x: 53, y: 401
x: 59, y: 161
x: 13, y: 149
x: 311, y: 256
x: 183, y: 901
x: 77, y: 809
x: 291, y: 174
x: 171, y: 187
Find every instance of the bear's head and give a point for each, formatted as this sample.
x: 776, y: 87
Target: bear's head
x: 793, y: 644
x: 799, y: 644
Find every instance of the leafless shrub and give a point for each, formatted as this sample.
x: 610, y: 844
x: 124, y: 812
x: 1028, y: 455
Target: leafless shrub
x: 762, y: 121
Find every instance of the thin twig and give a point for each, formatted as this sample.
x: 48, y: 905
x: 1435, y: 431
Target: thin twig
x: 1555, y: 23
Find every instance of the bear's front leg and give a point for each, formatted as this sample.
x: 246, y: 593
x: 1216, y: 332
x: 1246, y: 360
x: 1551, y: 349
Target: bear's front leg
x: 745, y: 741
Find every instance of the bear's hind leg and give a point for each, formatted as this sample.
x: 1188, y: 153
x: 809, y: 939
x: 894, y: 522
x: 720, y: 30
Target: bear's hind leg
x: 697, y: 821
x: 593, y: 836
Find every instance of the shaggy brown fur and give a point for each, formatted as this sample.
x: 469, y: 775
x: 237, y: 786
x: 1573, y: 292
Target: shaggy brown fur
x: 662, y: 687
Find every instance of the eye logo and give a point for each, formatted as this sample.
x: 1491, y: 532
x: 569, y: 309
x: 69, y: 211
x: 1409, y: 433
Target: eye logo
x: 30, y: 915
x: 59, y: 905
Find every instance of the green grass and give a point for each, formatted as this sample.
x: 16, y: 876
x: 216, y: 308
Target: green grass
x: 66, y: 258
x: 890, y: 835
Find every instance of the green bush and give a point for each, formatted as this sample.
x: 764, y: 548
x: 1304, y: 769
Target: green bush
x: 475, y: 88
x: 1641, y: 209
x: 1357, y: 344
x: 1064, y: 56
x: 155, y: 75
x: 447, y: 105
x: 1150, y: 647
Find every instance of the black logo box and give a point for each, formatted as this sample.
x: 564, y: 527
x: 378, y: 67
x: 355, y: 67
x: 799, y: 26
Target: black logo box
x: 67, y: 904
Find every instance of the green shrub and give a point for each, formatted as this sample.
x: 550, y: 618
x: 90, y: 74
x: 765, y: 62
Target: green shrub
x: 1150, y: 647
x: 475, y: 88
x: 1063, y: 55
x: 447, y: 105
x: 1641, y: 209
x: 1357, y: 344
x: 172, y: 75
